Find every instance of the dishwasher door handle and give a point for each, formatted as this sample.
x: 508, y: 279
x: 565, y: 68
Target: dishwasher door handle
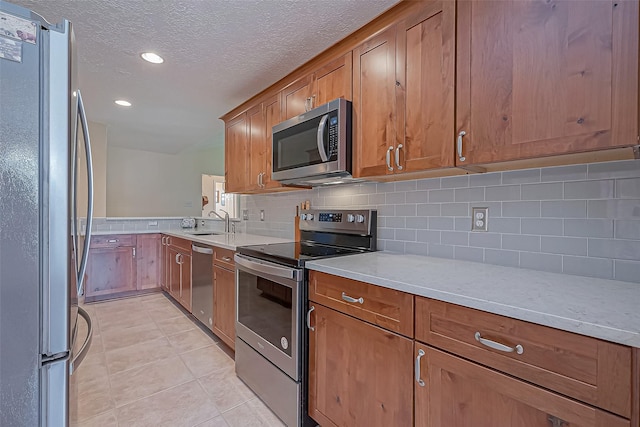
x: 201, y: 250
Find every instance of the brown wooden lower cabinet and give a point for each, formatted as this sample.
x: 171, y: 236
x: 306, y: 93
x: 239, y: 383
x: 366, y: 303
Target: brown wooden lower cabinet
x: 359, y: 374
x: 224, y: 305
x: 458, y: 392
x: 148, y: 252
x: 110, y: 270
x: 180, y: 276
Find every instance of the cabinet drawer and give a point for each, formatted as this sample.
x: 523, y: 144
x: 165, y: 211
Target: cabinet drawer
x: 177, y: 242
x: 587, y: 369
x: 113, y: 241
x: 224, y: 258
x: 388, y: 308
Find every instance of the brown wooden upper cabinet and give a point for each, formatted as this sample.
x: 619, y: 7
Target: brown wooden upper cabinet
x: 404, y: 94
x: 329, y: 82
x: 539, y: 78
x: 237, y: 154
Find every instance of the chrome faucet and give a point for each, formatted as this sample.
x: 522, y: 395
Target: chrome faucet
x: 226, y: 219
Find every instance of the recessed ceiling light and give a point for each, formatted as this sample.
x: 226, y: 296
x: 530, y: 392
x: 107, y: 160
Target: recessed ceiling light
x: 123, y: 103
x: 152, y: 57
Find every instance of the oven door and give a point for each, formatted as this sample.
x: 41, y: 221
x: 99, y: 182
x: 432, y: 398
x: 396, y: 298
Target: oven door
x: 269, y: 311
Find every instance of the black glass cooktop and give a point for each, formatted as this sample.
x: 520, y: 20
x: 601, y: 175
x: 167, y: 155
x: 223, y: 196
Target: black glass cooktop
x: 294, y: 253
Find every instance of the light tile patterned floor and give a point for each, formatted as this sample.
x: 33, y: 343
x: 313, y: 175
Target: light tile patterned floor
x: 150, y: 365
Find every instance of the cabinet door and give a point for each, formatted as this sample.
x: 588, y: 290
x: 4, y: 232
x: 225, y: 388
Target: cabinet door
x: 457, y: 392
x: 257, y: 145
x: 272, y: 114
x: 296, y: 97
x: 224, y: 305
x: 542, y: 78
x: 426, y: 73
x: 148, y: 254
x: 174, y: 273
x: 374, y: 104
x: 333, y: 81
x: 237, y: 155
x: 185, y: 281
x: 359, y: 374
x: 110, y: 270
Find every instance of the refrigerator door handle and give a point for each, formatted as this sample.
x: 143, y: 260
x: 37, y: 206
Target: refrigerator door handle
x: 87, y: 240
x: 82, y: 353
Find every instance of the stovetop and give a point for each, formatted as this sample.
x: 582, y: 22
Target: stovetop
x: 295, y: 253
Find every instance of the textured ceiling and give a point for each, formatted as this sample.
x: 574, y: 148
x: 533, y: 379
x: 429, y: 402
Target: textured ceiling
x: 217, y: 54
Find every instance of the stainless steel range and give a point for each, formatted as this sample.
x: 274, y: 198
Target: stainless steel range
x: 271, y: 299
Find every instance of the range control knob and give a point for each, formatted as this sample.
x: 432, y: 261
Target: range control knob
x: 359, y: 218
x: 303, y: 216
x: 309, y: 217
x: 350, y: 218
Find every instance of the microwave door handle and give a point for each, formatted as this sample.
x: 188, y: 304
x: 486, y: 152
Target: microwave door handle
x: 321, y: 148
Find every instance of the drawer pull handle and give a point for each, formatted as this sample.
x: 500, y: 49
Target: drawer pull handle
x: 497, y: 346
x: 226, y: 258
x: 418, y: 379
x: 112, y: 241
x: 347, y: 298
x: 309, y: 319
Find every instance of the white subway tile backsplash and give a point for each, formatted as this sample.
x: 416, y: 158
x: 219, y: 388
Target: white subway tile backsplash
x: 521, y: 176
x: 454, y: 181
x: 601, y: 189
x: 628, y: 271
x: 628, y: 188
x: 468, y: 254
x: 440, y: 196
x: 502, y: 193
x: 485, y: 240
x: 577, y: 219
x: 546, y: 191
x: 588, y: 266
x: 539, y: 261
x: 588, y: 227
x: 520, y: 209
x: 460, y: 238
x: 520, y: 242
x: 454, y: 209
x: 542, y: 226
x: 502, y: 257
x: 564, y: 173
x: 563, y: 245
x: 564, y: 209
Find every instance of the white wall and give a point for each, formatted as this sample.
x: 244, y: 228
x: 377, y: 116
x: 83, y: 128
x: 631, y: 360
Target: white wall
x: 143, y: 183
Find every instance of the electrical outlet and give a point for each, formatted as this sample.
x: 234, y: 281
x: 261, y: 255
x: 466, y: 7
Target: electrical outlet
x: 261, y: 214
x: 152, y: 223
x: 245, y: 214
x: 202, y: 223
x: 479, y: 219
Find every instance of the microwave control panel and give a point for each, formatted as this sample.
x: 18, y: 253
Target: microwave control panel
x: 333, y: 136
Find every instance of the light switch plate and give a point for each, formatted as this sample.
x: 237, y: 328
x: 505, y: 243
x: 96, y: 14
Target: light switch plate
x: 245, y: 214
x: 479, y: 219
x: 261, y: 214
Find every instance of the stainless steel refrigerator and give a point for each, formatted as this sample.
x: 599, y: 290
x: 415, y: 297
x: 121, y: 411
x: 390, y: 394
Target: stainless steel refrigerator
x: 42, y: 256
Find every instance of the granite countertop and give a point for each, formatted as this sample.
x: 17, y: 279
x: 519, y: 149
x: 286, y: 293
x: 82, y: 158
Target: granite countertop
x: 605, y: 309
x: 228, y: 241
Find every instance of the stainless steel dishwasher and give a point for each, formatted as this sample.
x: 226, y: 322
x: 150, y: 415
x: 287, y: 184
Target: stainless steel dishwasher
x: 202, y: 284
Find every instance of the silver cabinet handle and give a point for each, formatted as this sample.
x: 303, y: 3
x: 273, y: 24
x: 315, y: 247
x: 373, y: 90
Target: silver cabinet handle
x: 498, y: 346
x: 112, y: 241
x: 134, y: 252
x: 398, y: 157
x: 320, y: 138
x: 312, y: 328
x: 460, y: 156
x: 418, y: 379
x: 389, y: 158
x: 347, y: 298
x: 312, y: 102
x: 168, y: 240
x: 226, y: 258
x: 162, y: 241
x: 306, y: 104
x: 177, y: 258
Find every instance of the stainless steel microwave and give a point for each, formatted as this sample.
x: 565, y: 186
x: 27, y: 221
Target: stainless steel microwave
x: 314, y: 148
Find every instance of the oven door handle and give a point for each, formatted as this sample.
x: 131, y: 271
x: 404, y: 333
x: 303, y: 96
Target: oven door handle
x: 263, y: 267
